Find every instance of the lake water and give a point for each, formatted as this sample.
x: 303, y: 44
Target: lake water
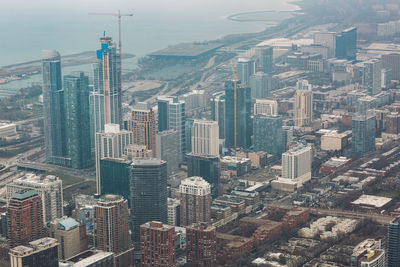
x: 65, y: 25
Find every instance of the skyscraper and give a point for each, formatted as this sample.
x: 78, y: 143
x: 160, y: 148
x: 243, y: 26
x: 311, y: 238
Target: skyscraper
x: 50, y: 190
x: 244, y: 69
x: 188, y: 132
x: 260, y: 84
x: 392, y: 62
x: 346, y: 44
x: 115, y: 177
x: 296, y: 164
x: 148, y: 193
x: 363, y: 138
x: 171, y: 115
x: 264, y: 58
x: 393, y: 243
x: 218, y: 111
x: 157, y: 245
x: 76, y: 100
x: 266, y: 107
x: 237, y: 116
x: 166, y: 149
x: 268, y: 134
x: 110, y: 143
x: 112, y: 228
x: 195, y: 196
x: 143, y: 126
x: 207, y: 167
x: 53, y: 109
x: 372, y: 73
x: 25, y: 219
x: 205, y: 139
x: 303, y: 108
x: 201, y: 245
x: 41, y: 252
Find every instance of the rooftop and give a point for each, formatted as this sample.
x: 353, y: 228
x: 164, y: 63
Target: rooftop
x: 24, y: 194
x: 370, y: 200
x: 68, y: 224
x: 89, y: 257
x: 147, y: 162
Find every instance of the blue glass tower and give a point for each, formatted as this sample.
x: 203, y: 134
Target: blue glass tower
x: 346, y: 44
x: 268, y: 134
x: 363, y: 140
x: 393, y: 243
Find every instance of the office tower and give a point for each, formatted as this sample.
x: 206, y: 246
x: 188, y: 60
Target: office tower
x: 112, y: 228
x: 296, y: 164
x: 71, y: 236
x: 195, y: 100
x: 53, y: 109
x: 303, y: 85
x: 115, y: 177
x: 143, y: 126
x: 49, y: 188
x: 287, y: 136
x: 188, y: 134
x: 392, y: 62
x: 218, y: 111
x: 244, y: 69
x: 327, y: 39
x: 25, y: 219
x: 238, y: 125
x: 260, y: 84
x: 174, y: 212
x: 166, y: 149
x: 77, y: 118
x: 268, y: 134
x: 266, y: 107
x: 264, y: 58
x: 392, y: 123
x: 201, y: 245
x: 195, y: 196
x: 148, y: 193
x: 137, y: 152
x: 372, y: 74
x: 393, y: 243
x: 303, y: 106
x: 110, y: 143
x: 41, y: 252
x: 346, y: 44
x: 171, y: 115
x: 205, y: 139
x: 207, y: 167
x: 363, y: 138
x: 157, y: 245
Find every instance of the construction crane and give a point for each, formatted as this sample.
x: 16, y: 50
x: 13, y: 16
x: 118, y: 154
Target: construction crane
x: 234, y: 102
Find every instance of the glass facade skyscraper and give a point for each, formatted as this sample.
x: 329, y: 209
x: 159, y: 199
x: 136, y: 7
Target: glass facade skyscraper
x: 268, y: 134
x: 346, y: 44
x: 363, y: 128
x: 76, y: 100
x: 242, y: 117
x: 148, y: 190
x: 393, y: 243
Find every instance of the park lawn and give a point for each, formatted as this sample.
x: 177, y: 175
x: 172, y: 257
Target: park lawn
x: 66, y: 179
x: 87, y: 188
x: 389, y: 193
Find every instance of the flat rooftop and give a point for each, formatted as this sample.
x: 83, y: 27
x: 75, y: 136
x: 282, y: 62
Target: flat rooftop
x: 370, y: 200
x: 186, y: 50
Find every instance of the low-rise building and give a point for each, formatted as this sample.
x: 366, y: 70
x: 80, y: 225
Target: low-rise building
x: 335, y: 141
x: 236, y: 204
x: 372, y: 203
x: 235, y: 165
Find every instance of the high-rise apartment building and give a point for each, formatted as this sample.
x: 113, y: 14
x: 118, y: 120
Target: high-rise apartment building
x: 112, y: 228
x: 260, y: 84
x: 218, y: 111
x: 53, y: 109
x: 171, y: 115
x: 50, y: 190
x: 70, y: 235
x: 41, y: 252
x: 264, y: 58
x: 166, y: 149
x: 25, y: 219
x: 392, y: 62
x: 207, y: 167
x: 238, y: 125
x: 174, y: 212
x: 244, y: 69
x: 188, y: 132
x: 201, y: 245
x: 268, y: 134
x: 327, y: 39
x: 346, y: 44
x: 372, y: 74
x: 157, y: 245
x: 137, y: 152
x: 363, y: 137
x: 195, y: 196
x: 110, y: 143
x: 296, y: 164
x: 77, y: 119
x: 148, y: 193
x: 143, y: 126
x: 393, y: 243
x: 205, y: 138
x: 266, y: 107
x: 303, y: 108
